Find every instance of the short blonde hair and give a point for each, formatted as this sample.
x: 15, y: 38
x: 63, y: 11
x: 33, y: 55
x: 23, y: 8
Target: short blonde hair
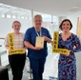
x: 16, y: 22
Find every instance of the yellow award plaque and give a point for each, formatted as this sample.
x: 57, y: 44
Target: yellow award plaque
x: 12, y: 49
x: 55, y: 48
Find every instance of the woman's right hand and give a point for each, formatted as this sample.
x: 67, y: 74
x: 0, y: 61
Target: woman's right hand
x: 8, y: 49
x: 68, y: 53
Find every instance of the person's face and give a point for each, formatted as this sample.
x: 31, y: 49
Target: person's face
x: 16, y: 26
x: 66, y: 26
x: 37, y: 22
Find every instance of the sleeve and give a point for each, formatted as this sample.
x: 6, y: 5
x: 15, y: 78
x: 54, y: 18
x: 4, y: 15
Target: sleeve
x: 77, y: 45
x: 48, y: 34
x: 6, y: 41
x: 27, y: 35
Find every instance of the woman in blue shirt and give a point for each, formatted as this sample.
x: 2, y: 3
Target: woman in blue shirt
x: 37, y: 55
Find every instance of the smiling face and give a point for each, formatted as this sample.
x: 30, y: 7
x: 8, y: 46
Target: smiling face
x: 66, y: 26
x: 37, y: 21
x: 16, y: 26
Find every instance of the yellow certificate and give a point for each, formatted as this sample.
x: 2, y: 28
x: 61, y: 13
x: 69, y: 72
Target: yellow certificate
x: 39, y: 42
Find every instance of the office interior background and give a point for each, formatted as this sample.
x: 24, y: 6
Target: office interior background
x: 53, y: 12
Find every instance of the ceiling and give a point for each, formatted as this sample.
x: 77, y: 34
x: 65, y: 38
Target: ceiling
x: 10, y: 10
x: 54, y: 7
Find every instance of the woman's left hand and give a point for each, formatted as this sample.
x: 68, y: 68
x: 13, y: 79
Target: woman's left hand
x: 68, y: 53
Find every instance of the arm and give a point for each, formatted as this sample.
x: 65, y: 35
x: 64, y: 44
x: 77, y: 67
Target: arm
x: 29, y: 45
x: 77, y: 45
x: 47, y: 39
x: 6, y: 44
x: 7, y: 47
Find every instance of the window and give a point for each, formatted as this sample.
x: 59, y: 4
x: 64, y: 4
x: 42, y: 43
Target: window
x: 8, y: 16
x: 13, y: 16
x: 2, y: 15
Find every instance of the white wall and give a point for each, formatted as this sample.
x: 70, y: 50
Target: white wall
x: 6, y: 25
x: 74, y: 18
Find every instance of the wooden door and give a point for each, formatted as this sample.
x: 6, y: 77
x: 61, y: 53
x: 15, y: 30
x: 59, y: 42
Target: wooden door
x: 78, y: 31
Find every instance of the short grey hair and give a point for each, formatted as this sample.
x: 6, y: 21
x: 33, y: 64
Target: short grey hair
x: 38, y: 15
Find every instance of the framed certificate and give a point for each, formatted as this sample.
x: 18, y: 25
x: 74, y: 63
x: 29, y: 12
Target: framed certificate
x: 39, y: 42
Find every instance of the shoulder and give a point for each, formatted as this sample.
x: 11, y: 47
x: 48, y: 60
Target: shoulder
x: 9, y: 34
x: 44, y: 29
x: 30, y: 29
x: 74, y: 36
x: 60, y: 34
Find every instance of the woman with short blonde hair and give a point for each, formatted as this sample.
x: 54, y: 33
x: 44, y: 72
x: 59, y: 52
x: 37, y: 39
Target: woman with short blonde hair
x: 16, y: 50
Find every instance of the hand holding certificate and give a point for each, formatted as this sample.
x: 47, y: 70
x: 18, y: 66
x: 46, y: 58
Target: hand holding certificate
x: 39, y: 42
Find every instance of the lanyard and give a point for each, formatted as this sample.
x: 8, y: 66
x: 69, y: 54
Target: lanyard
x: 38, y: 33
